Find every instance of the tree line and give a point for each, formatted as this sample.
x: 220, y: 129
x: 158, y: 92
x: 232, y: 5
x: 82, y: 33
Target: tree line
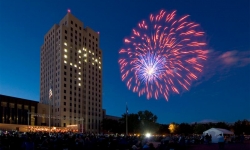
x: 146, y: 122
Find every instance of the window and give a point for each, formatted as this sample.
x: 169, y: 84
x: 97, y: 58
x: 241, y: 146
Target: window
x: 64, y: 109
x: 64, y: 103
x: 66, y: 31
x: 71, y: 22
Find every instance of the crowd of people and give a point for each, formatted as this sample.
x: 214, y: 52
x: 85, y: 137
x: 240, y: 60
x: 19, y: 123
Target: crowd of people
x: 89, y: 141
x: 75, y: 141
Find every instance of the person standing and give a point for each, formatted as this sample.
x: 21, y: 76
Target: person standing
x: 210, y: 139
x: 221, y: 141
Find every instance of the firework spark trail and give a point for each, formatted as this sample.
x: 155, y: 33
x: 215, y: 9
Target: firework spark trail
x: 164, y: 54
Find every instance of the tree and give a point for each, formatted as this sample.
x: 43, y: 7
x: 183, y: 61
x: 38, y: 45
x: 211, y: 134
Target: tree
x: 199, y: 128
x: 147, y: 122
x: 221, y: 125
x: 110, y: 125
x: 173, y: 128
x: 242, y: 127
x: 147, y: 116
x: 133, y: 123
x: 163, y: 129
x: 185, y: 128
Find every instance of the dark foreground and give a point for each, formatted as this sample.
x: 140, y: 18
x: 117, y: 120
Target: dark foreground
x: 70, y: 141
x: 230, y: 146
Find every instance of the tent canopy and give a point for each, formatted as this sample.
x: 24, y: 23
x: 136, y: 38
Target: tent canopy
x: 219, y: 130
x: 214, y: 132
x: 224, y: 131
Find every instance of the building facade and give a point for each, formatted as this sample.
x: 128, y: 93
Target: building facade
x: 71, y: 65
x: 17, y: 111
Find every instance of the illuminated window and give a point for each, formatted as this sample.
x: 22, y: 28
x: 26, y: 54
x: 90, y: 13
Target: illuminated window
x: 79, y: 78
x: 79, y: 62
x: 65, y: 56
x: 95, y: 60
x: 79, y: 73
x: 79, y: 56
x: 99, y: 67
x: 93, y: 64
x: 85, y: 60
x: 65, y: 43
x: 93, y: 53
x: 75, y: 65
x: 70, y: 64
x: 79, y: 84
x: 79, y: 51
x: 89, y: 51
x: 65, y: 50
x: 65, y: 61
x: 85, y: 55
x: 99, y: 62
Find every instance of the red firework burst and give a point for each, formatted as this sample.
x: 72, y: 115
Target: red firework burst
x: 164, y: 54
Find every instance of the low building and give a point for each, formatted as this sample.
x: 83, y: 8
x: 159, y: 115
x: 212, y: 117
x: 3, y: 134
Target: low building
x: 18, y: 113
x: 112, y: 117
x: 15, y: 110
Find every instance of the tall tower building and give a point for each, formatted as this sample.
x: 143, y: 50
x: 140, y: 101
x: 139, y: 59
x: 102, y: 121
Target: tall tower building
x: 71, y: 64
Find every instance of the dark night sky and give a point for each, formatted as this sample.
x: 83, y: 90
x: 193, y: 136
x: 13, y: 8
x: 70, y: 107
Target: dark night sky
x: 222, y: 94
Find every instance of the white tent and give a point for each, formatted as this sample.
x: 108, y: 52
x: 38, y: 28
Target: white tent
x: 215, y: 132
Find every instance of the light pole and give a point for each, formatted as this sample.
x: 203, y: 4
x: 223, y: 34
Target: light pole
x: 28, y: 119
x: 82, y: 124
x: 50, y: 96
x: 126, y: 119
x: 49, y: 117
